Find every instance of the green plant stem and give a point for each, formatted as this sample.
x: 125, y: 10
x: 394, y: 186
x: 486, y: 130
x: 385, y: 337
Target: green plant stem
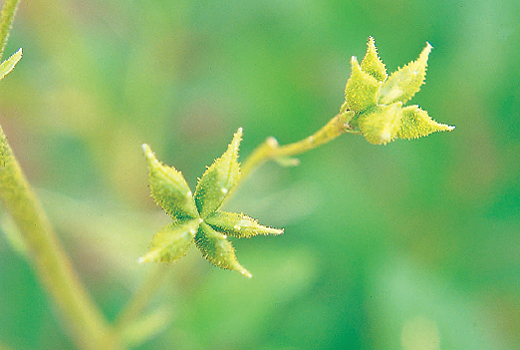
x: 271, y: 150
x: 50, y: 261
x: 6, y: 19
x: 48, y: 257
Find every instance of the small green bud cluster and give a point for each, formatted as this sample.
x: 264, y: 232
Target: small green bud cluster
x: 196, y: 218
x: 374, y: 101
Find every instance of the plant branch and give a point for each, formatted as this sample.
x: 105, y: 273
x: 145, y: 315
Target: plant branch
x: 6, y: 19
x: 51, y: 263
x: 271, y: 150
x: 48, y: 257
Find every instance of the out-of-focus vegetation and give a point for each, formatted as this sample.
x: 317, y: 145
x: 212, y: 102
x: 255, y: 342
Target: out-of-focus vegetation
x: 385, y: 247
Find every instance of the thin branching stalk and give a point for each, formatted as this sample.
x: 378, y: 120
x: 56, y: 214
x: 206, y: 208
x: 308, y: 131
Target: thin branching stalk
x: 271, y: 150
x: 49, y: 259
x: 7, y: 16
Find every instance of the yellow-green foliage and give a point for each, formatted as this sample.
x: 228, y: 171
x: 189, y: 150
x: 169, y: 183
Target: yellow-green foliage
x: 198, y: 220
x: 377, y: 100
x: 8, y: 65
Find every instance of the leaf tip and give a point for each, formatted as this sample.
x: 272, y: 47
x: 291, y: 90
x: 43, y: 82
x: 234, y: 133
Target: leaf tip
x: 417, y: 123
x: 276, y: 231
x: 149, y: 257
x: 150, y: 156
x: 237, y: 138
x: 245, y: 273
x: 372, y: 63
x: 8, y: 65
x: 361, y: 89
x: 423, y: 57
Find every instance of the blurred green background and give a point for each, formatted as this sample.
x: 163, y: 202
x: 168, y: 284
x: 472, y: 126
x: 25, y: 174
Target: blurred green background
x: 412, y: 244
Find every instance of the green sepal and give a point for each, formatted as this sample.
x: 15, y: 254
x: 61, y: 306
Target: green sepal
x: 404, y: 83
x: 172, y: 241
x: 416, y: 123
x: 218, y: 250
x: 219, y: 179
x: 8, y: 65
x: 372, y: 64
x: 382, y: 124
x: 362, y: 88
x: 169, y: 188
x: 239, y: 225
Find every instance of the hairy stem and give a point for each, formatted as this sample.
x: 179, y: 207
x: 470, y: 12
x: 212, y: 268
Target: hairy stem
x: 48, y: 257
x: 270, y: 149
x: 6, y: 19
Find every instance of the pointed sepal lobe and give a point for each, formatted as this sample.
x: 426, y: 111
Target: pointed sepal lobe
x: 218, y: 250
x: 219, y: 179
x: 8, y: 65
x: 239, y: 225
x: 172, y: 241
x: 362, y: 89
x: 417, y: 123
x: 371, y: 63
x: 404, y: 83
x: 169, y: 189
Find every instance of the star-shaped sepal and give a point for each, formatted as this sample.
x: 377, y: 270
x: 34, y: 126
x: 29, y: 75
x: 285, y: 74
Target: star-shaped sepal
x: 196, y: 219
x: 375, y: 100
